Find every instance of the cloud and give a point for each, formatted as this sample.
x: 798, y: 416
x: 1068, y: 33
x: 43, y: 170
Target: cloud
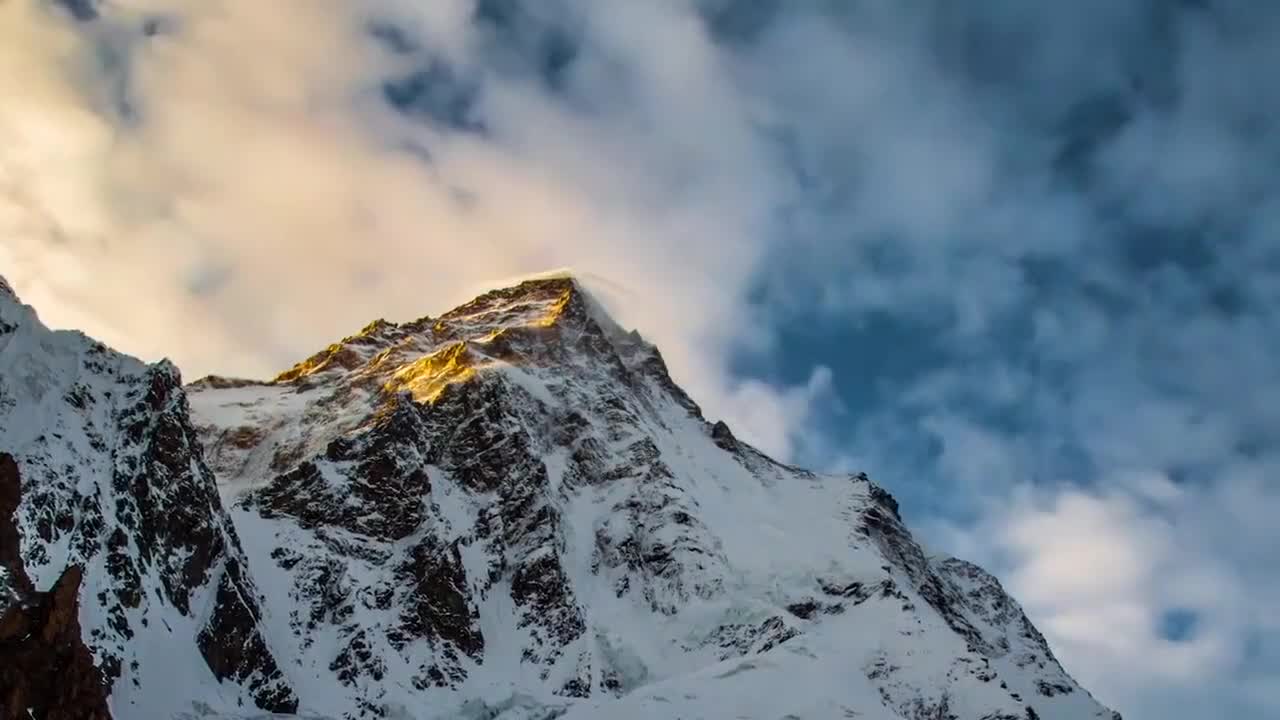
x: 1070, y: 212
x: 963, y: 157
x: 236, y: 184
x: 1125, y: 494
x: 782, y: 421
x: 1107, y: 572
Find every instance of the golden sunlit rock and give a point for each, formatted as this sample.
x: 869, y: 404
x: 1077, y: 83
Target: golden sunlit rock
x: 428, y: 376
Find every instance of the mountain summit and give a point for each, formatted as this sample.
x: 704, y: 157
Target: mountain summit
x: 508, y: 511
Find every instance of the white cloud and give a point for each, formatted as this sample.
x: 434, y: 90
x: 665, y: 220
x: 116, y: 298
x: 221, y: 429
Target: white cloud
x: 259, y: 203
x: 975, y: 457
x: 1098, y: 571
x: 780, y: 423
x: 1133, y: 519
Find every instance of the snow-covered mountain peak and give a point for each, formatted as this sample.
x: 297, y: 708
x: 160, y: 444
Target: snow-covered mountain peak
x: 508, y: 512
x: 6, y: 290
x: 540, y: 334
x: 457, y: 344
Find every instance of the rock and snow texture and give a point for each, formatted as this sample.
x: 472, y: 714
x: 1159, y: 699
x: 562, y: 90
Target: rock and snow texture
x: 511, y: 511
x: 110, y: 484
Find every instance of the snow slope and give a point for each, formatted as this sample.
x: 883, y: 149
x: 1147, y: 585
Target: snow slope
x: 511, y: 511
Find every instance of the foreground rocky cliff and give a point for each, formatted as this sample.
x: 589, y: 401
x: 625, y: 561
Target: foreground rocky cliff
x: 508, y: 511
x: 108, y: 482
x: 46, y: 670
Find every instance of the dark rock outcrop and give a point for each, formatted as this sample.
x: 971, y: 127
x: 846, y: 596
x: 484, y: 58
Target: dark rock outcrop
x: 113, y: 482
x: 46, y: 670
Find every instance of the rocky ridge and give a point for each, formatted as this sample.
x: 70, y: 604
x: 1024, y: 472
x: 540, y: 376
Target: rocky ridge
x: 110, y: 484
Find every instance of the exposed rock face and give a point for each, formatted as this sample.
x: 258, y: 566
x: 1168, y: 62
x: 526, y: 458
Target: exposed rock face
x: 113, y: 481
x: 15, y: 585
x: 46, y: 671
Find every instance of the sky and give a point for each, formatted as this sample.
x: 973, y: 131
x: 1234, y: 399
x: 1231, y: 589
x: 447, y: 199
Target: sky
x: 1018, y: 260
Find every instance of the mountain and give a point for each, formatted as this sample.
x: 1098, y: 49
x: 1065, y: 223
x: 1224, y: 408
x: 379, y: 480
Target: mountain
x: 103, y: 482
x: 509, y: 511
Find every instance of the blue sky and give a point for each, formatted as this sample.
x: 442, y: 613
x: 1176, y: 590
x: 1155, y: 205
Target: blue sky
x: 1018, y: 260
